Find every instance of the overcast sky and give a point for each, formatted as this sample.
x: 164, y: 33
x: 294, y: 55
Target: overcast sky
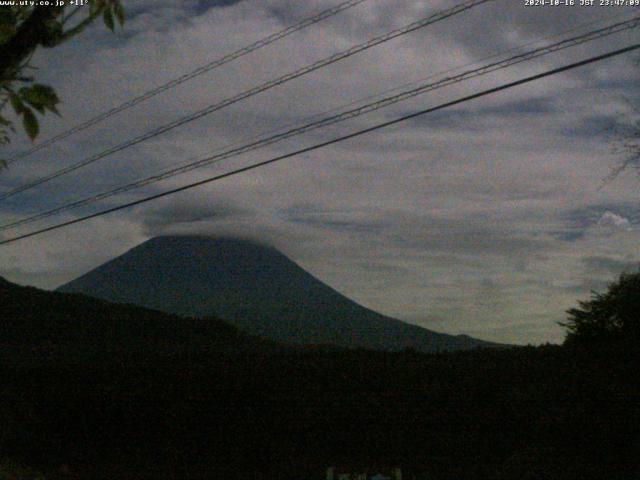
x: 490, y: 218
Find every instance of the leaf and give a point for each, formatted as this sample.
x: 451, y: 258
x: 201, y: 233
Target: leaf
x: 16, y: 103
x: 97, y: 6
x: 6, y: 32
x: 118, y: 9
x: 4, y: 122
x: 54, y: 33
x: 39, y: 95
x: 8, y: 18
x: 53, y: 109
x: 108, y: 19
x: 39, y: 108
x: 30, y: 123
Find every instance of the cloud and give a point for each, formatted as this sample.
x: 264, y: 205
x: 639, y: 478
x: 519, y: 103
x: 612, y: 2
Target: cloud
x: 610, y: 220
x: 156, y: 219
x: 486, y: 219
x: 608, y: 265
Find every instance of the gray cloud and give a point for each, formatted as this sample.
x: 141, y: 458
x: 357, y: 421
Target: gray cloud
x: 608, y: 265
x: 480, y: 219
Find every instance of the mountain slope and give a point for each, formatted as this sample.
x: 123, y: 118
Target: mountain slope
x: 36, y: 323
x: 253, y: 287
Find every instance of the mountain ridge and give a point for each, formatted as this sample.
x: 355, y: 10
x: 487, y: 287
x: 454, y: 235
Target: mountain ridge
x: 254, y: 287
x: 37, y: 323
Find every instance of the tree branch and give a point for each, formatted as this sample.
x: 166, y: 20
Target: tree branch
x: 31, y: 33
x: 78, y: 28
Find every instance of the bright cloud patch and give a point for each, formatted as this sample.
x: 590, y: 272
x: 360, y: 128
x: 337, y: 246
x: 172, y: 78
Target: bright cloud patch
x: 614, y: 221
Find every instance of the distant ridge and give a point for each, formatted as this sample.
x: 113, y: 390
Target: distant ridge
x: 254, y: 287
x: 36, y: 324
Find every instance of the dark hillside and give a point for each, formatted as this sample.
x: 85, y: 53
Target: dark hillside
x: 200, y: 400
x: 256, y: 288
x: 35, y: 323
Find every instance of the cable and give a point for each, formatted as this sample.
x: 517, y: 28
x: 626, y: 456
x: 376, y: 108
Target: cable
x: 327, y: 143
x: 589, y: 36
x: 346, y: 115
x: 254, y: 91
x: 307, y: 22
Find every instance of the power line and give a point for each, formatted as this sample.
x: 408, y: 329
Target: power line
x: 343, y: 116
x: 307, y: 22
x: 254, y: 91
x: 327, y: 143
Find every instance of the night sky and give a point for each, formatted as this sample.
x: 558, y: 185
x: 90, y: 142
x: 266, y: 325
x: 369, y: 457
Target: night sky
x: 490, y: 218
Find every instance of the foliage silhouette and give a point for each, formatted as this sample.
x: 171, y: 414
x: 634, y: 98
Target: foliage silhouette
x: 610, y: 316
x: 96, y: 387
x: 11, y: 471
x: 25, y: 28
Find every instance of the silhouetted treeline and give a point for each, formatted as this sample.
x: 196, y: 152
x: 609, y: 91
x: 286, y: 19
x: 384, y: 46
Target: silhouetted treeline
x: 544, y: 412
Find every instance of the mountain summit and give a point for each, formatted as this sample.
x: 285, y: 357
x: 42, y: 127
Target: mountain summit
x: 254, y: 287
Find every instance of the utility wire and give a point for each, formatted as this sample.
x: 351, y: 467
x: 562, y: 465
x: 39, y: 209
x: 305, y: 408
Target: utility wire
x: 254, y: 91
x: 343, y: 116
x: 358, y: 133
x: 434, y: 75
x: 307, y: 22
